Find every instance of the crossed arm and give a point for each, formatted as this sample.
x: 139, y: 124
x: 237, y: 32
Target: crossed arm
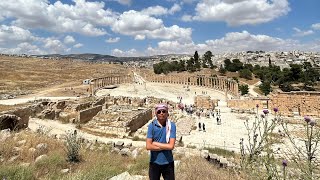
x: 156, y: 146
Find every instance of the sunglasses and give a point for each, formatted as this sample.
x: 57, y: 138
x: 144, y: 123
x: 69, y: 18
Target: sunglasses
x: 161, y: 111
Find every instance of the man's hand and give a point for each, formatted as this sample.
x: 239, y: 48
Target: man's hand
x: 151, y: 146
x: 165, y: 146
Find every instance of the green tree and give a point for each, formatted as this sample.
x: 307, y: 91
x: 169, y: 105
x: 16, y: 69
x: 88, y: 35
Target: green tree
x: 237, y: 65
x: 248, y: 66
x: 244, y: 89
x: 245, y: 73
x: 296, y: 71
x: 190, y: 65
x: 265, y: 87
x: 207, y: 59
x: 181, y: 66
x: 196, y: 60
x: 309, y: 75
x: 227, y: 63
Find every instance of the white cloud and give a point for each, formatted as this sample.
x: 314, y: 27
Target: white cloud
x: 240, y: 12
x: 124, y: 2
x: 13, y: 35
x: 301, y: 33
x: 140, y: 37
x: 233, y: 42
x: 155, y: 11
x: 83, y: 17
x: 186, y: 18
x: 140, y: 25
x: 78, y: 45
x: 133, y: 22
x: 159, y: 10
x: 129, y: 53
x: 113, y: 40
x: 54, y: 45
x: 69, y: 40
x: 175, y: 8
x: 316, y: 26
x: 23, y: 48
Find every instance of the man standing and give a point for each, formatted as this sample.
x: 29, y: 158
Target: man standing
x: 161, y: 138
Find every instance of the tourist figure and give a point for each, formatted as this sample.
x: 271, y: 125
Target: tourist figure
x: 199, y: 125
x: 160, y: 141
x: 217, y: 120
x: 204, y: 127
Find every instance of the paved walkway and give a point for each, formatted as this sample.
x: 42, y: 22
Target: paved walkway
x: 227, y: 135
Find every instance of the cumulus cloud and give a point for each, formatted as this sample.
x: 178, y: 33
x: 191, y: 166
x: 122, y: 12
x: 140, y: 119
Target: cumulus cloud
x: 124, y: 2
x: 159, y: 10
x: 232, y: 42
x: 113, y: 40
x: 141, y: 25
x: 69, y: 40
x: 301, y: 33
x: 14, y: 34
x: 120, y: 53
x: 175, y: 8
x: 78, y: 45
x: 140, y: 37
x: 23, y: 48
x: 316, y: 26
x: 16, y: 40
x: 83, y: 17
x: 240, y: 12
x: 54, y: 46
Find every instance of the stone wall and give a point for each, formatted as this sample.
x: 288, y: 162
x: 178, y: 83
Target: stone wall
x: 301, y: 103
x: 140, y: 120
x: 99, y: 101
x: 289, y: 104
x: 82, y: 106
x: 24, y: 113
x: 248, y: 104
x: 88, y: 114
x: 121, y: 100
x: 204, y: 102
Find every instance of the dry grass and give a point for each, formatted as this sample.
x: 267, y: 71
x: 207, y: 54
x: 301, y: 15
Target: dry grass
x: 25, y: 75
x: 94, y: 164
x: 198, y: 168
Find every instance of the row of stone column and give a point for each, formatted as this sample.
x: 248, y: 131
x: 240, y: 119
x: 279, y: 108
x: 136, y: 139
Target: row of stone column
x: 106, y: 81
x: 222, y: 84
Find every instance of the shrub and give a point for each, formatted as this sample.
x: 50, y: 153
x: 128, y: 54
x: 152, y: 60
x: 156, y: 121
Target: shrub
x: 73, y: 147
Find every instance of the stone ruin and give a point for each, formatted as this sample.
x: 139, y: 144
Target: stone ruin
x: 205, y: 102
x: 104, y: 115
x: 289, y: 104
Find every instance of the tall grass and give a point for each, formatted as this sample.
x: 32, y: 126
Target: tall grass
x: 15, y: 172
x: 199, y: 168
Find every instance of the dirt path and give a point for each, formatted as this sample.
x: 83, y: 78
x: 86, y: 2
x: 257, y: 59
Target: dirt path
x: 59, y: 129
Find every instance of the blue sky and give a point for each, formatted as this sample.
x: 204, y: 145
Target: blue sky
x: 149, y: 27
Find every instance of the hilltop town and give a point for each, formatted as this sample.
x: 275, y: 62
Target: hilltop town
x: 282, y: 59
